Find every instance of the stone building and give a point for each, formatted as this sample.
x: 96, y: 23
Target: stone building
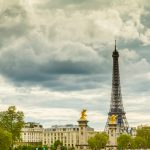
x: 71, y: 136
x: 67, y: 134
x: 32, y: 134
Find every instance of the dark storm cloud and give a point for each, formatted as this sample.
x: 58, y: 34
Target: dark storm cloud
x: 58, y: 75
x: 33, y: 63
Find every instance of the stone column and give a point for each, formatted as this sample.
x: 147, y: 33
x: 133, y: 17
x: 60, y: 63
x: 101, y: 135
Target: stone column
x: 112, y: 128
x: 83, y: 137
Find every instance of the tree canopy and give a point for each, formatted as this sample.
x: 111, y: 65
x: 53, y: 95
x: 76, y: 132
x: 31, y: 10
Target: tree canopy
x: 58, y: 144
x: 5, y: 140
x: 138, y: 142
x: 124, y: 141
x: 144, y: 133
x: 98, y: 141
x: 30, y: 147
x: 12, y: 121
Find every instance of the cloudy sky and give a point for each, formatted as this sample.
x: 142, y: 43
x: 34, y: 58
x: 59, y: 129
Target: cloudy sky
x: 56, y: 58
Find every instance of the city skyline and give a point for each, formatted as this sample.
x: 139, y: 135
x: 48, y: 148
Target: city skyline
x: 56, y: 59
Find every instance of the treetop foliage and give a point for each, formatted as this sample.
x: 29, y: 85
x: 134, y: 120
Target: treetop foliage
x: 142, y: 139
x: 99, y: 141
x: 5, y: 139
x: 12, y: 121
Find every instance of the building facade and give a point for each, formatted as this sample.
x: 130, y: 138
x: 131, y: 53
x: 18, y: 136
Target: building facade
x: 71, y: 136
x: 67, y: 134
x: 32, y: 134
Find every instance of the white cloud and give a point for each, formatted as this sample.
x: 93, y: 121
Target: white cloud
x: 138, y: 68
x: 138, y: 118
x: 127, y: 54
x: 145, y: 38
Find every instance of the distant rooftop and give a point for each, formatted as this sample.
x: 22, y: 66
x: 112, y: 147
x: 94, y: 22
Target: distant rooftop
x: 67, y: 126
x: 32, y: 125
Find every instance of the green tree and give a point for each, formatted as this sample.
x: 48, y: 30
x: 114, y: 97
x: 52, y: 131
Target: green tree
x: 56, y: 144
x: 12, y: 121
x: 63, y: 148
x: 124, y: 141
x: 144, y: 133
x: 92, y: 143
x: 138, y: 143
x: 98, y: 141
x: 30, y: 147
x: 53, y: 147
x: 5, y: 140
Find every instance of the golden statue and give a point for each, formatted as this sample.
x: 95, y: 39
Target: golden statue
x: 112, y: 119
x: 83, y: 114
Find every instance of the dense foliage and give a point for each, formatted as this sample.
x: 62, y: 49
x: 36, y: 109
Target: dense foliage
x: 141, y: 141
x: 12, y: 121
x: 5, y: 140
x: 31, y: 148
x: 58, y: 144
x: 144, y: 133
x: 99, y: 141
x: 124, y: 141
x: 138, y: 143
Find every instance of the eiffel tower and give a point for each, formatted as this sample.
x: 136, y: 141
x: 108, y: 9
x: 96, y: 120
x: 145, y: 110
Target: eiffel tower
x: 116, y: 106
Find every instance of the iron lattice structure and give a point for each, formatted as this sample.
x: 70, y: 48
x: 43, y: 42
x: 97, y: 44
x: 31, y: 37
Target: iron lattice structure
x: 116, y: 106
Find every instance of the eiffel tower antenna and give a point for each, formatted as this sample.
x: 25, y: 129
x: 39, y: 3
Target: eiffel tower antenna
x: 115, y: 46
x: 116, y: 105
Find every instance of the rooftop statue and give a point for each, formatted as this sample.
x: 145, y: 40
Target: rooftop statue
x: 83, y: 114
x: 112, y: 119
